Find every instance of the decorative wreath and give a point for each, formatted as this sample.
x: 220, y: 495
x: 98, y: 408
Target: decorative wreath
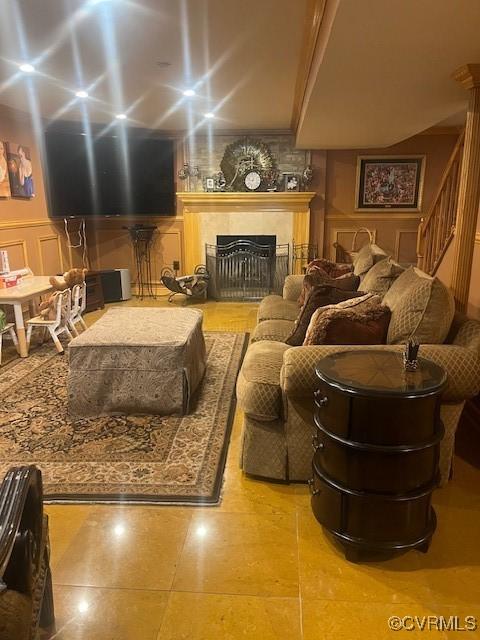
x: 244, y: 155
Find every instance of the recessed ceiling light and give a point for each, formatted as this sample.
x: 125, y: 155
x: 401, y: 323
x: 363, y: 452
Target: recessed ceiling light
x: 121, y: 116
x: 83, y: 606
x: 27, y: 68
x: 81, y: 94
x: 189, y: 93
x: 209, y: 115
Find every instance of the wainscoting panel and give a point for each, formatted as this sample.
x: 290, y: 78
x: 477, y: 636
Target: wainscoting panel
x: 50, y: 254
x: 17, y: 253
x: 110, y: 246
x: 406, y: 246
x: 397, y: 234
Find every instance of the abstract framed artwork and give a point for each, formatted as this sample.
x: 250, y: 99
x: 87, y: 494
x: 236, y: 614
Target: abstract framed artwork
x: 20, y: 171
x: 4, y: 181
x: 389, y: 182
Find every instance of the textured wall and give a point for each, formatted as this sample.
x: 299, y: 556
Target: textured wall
x: 207, y: 153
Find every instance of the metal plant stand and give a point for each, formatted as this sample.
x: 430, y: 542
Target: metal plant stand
x: 142, y: 237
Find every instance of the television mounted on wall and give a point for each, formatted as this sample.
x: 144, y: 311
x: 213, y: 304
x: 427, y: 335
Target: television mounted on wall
x: 128, y: 175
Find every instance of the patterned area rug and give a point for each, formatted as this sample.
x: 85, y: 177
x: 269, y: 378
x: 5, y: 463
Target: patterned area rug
x: 169, y: 459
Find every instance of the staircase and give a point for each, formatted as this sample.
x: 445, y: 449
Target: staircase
x: 437, y: 229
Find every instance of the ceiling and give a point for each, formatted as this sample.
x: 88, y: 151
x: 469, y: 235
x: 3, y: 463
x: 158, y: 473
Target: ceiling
x: 385, y: 73
x: 381, y: 70
x: 240, y: 57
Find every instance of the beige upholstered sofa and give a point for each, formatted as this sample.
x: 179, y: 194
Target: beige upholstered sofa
x: 276, y: 384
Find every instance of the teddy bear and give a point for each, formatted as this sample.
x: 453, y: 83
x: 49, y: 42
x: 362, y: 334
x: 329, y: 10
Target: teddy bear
x: 69, y: 279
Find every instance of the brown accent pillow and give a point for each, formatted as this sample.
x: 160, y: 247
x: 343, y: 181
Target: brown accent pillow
x: 332, y: 269
x: 345, y: 282
x: 363, y: 323
x: 318, y: 296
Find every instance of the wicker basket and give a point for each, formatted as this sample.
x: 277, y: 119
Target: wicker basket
x: 349, y: 255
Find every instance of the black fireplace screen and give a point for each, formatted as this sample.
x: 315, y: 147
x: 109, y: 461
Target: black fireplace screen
x: 246, y: 270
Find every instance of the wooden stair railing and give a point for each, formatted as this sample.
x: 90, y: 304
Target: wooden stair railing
x: 437, y: 229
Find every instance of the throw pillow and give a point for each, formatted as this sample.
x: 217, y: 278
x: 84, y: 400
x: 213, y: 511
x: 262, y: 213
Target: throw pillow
x: 381, y: 276
x: 346, y: 282
x: 319, y: 296
x: 422, y: 307
x: 368, y: 255
x: 333, y: 269
x: 363, y: 322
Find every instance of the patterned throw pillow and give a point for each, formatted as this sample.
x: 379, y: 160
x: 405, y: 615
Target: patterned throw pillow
x: 346, y: 282
x: 422, y: 307
x: 362, y: 321
x: 368, y: 255
x: 319, y: 296
x: 381, y: 276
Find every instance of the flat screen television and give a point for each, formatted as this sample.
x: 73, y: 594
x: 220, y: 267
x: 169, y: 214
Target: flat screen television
x: 112, y: 175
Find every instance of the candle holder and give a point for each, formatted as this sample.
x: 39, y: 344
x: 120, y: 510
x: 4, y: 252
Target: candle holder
x: 410, y: 355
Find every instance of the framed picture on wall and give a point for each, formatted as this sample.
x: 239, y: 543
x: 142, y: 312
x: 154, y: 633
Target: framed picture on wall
x: 4, y: 181
x: 389, y: 182
x: 20, y: 170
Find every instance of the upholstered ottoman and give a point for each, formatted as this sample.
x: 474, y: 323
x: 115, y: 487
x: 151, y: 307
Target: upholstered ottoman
x: 137, y: 360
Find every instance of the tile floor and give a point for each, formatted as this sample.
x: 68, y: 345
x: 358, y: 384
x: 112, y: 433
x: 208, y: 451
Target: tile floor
x: 257, y: 567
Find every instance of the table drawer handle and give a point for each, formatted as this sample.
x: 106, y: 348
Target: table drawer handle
x: 321, y: 400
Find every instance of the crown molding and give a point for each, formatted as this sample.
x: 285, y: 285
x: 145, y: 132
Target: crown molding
x: 313, y: 21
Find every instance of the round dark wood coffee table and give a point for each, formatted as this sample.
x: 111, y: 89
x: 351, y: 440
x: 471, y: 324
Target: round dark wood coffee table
x: 376, y: 451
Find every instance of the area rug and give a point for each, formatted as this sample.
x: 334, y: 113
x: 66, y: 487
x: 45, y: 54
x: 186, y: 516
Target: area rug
x: 172, y: 459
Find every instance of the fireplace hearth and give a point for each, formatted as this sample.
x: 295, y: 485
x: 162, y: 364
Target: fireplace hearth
x: 246, y: 267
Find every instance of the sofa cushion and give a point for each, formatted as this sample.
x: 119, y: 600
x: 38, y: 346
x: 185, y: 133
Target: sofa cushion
x: 292, y: 287
x: 381, y: 276
x: 346, y: 304
x: 277, y: 330
x: 258, y: 383
x: 368, y: 255
x: 318, y: 296
x: 346, y: 282
x: 422, y: 307
x: 276, y: 308
x: 366, y: 323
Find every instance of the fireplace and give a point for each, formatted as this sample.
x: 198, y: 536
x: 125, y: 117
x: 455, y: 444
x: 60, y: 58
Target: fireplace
x: 246, y: 267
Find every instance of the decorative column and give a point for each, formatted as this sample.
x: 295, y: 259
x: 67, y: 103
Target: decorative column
x: 469, y: 188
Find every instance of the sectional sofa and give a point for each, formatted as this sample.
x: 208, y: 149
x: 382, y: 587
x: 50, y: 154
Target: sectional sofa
x: 276, y: 383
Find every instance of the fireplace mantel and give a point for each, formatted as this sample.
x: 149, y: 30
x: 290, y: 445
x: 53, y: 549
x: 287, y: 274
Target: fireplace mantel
x: 285, y: 213
x: 270, y: 200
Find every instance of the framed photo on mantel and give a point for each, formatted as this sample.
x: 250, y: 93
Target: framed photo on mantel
x: 389, y: 182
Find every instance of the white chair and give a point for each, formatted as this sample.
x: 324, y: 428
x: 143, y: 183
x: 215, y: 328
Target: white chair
x: 57, y: 326
x: 8, y: 328
x: 79, y: 304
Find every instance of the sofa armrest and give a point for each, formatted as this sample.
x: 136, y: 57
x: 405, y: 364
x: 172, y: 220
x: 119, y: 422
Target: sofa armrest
x: 292, y: 287
x: 298, y: 377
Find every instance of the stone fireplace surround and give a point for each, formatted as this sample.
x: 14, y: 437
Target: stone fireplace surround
x: 208, y: 215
